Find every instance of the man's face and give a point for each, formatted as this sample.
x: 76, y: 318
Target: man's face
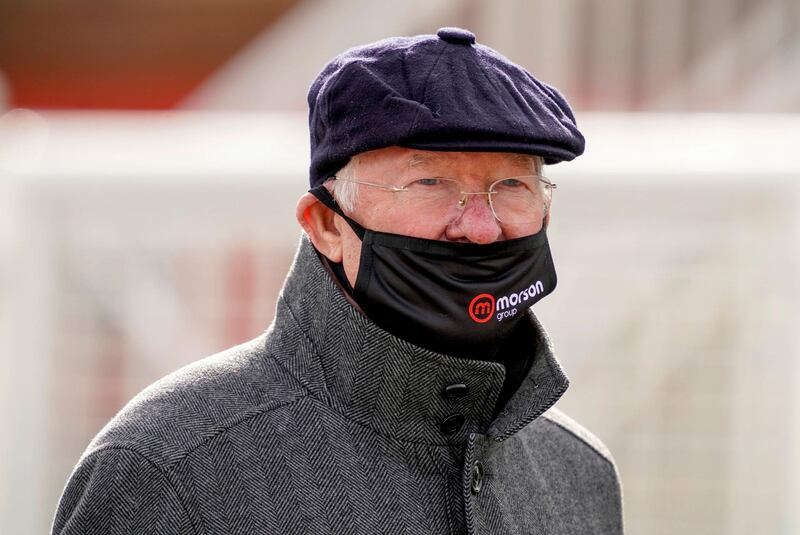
x: 379, y: 210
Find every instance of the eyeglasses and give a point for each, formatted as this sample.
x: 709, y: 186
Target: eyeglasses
x: 515, y: 201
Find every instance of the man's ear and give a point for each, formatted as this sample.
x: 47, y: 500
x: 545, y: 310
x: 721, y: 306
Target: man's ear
x: 318, y: 222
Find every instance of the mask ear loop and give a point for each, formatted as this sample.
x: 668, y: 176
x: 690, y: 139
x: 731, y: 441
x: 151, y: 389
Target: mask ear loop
x: 324, y: 196
x: 545, y: 220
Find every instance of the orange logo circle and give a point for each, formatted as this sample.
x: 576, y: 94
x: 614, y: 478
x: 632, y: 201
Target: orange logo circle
x: 481, y: 308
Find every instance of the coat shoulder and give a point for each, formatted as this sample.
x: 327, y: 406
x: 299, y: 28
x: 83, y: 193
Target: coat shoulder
x: 129, y: 479
x: 179, y: 412
x: 559, y: 419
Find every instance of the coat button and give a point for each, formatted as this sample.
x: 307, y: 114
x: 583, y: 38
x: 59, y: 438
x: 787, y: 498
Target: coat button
x: 452, y: 423
x: 477, y: 477
x: 454, y: 391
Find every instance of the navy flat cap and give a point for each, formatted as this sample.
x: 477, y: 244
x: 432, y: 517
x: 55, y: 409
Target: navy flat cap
x: 434, y: 92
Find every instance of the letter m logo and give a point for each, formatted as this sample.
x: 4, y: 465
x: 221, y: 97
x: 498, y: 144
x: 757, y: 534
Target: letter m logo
x: 481, y: 308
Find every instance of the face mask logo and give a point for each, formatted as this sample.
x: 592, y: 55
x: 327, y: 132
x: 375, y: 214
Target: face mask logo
x: 481, y: 308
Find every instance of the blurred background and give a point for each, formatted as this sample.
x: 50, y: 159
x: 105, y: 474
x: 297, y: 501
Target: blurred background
x: 151, y: 153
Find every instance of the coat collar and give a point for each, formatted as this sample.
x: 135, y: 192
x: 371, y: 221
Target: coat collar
x: 383, y: 382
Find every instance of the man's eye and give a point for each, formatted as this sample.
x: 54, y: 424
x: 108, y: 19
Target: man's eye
x: 510, y: 183
x: 426, y: 182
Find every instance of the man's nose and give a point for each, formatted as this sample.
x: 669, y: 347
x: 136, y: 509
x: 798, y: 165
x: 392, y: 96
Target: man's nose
x: 476, y: 222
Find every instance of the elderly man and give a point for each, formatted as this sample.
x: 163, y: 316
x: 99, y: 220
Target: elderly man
x: 405, y: 386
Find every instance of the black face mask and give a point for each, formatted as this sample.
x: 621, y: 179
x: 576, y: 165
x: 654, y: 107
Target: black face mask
x: 461, y: 299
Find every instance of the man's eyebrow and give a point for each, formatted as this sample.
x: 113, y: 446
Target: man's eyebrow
x: 418, y: 159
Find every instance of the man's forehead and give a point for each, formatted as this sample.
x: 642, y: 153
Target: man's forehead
x: 422, y: 159
x: 396, y: 159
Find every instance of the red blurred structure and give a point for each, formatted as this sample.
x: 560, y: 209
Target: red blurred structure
x: 127, y: 54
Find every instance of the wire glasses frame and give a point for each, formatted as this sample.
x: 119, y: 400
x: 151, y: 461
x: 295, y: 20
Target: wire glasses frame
x: 495, y: 189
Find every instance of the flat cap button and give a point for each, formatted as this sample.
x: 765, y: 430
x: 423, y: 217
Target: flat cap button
x: 457, y: 36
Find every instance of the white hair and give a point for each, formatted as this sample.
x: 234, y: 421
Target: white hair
x: 346, y: 193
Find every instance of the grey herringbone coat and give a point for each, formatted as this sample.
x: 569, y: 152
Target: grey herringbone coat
x: 328, y: 424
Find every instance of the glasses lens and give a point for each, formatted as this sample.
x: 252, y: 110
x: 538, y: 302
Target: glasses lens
x: 520, y: 201
x: 436, y: 198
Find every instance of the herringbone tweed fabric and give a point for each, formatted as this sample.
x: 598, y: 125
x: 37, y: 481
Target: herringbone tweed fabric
x: 328, y: 424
